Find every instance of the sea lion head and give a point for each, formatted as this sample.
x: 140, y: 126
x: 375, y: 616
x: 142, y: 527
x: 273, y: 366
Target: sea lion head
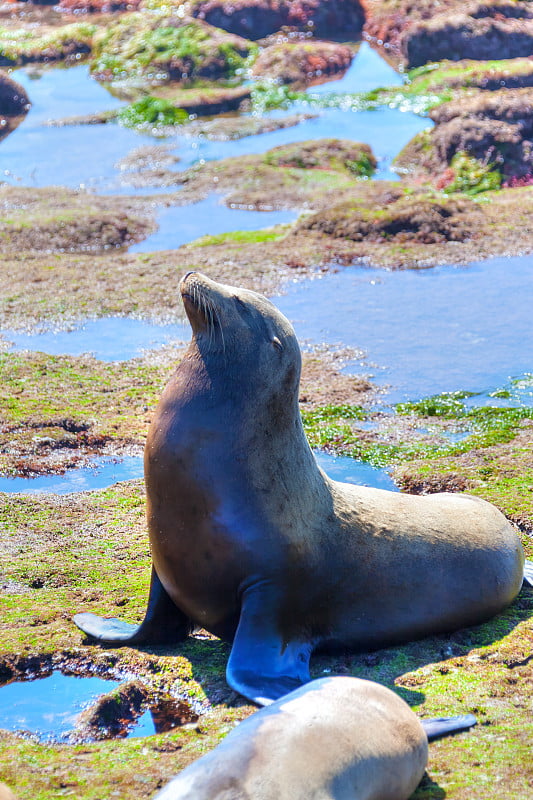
x: 242, y: 334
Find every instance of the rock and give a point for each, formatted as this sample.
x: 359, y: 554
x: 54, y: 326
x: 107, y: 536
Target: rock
x: 408, y: 219
x: 224, y: 129
x: 514, y: 107
x: 98, y: 6
x: 302, y: 63
x: 14, y: 101
x: 53, y: 220
x: 256, y: 19
x: 511, y: 73
x: 461, y: 36
x: 45, y: 44
x: 113, y: 712
x: 426, y: 32
x: 14, y: 104
x: 206, y: 101
x: 332, y: 154
x: 492, y: 127
x: 159, y: 49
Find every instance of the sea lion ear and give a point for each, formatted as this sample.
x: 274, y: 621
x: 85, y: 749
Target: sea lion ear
x: 277, y: 344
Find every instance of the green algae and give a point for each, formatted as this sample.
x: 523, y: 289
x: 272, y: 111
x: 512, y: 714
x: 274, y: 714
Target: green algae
x: 110, y: 398
x: 472, y: 176
x: 245, y: 237
x: 330, y: 427
x: 151, y: 111
x: 467, y: 74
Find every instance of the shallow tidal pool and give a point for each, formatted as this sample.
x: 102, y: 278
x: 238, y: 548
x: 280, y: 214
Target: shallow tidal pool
x: 444, y: 329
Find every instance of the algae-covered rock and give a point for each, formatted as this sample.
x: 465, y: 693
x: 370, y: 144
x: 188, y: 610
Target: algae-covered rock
x: 255, y: 19
x: 302, y: 63
x: 332, y: 154
x: 514, y: 107
x: 511, y: 73
x: 226, y: 128
x: 408, y: 219
x: 21, y: 45
x: 495, y: 128
x: 62, y: 220
x: 204, y: 100
x: 113, y: 713
x: 97, y: 6
x: 160, y: 49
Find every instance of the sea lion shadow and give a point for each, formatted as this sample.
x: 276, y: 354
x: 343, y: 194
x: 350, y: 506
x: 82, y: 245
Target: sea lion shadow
x: 396, y: 667
x: 428, y: 790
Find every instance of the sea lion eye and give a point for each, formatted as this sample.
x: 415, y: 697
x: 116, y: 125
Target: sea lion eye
x: 277, y: 344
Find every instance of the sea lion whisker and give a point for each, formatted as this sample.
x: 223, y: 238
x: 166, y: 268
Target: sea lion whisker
x: 219, y: 323
x: 211, y: 321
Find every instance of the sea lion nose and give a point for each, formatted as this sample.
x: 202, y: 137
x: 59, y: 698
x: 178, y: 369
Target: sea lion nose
x: 186, y: 277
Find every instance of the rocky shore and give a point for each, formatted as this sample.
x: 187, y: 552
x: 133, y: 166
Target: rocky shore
x: 214, y: 71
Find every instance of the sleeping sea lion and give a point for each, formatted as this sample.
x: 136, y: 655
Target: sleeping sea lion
x: 333, y: 739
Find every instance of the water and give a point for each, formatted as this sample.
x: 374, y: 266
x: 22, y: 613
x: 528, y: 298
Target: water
x: 48, y: 707
x: 367, y: 71
x: 181, y: 224
x: 429, y: 331
x: 348, y: 470
x: 107, y: 338
x: 37, y: 155
x: 87, y: 155
x: 386, y: 130
x: 104, y: 472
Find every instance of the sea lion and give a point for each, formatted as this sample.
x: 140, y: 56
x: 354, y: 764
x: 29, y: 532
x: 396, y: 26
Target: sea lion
x: 6, y: 793
x: 253, y: 542
x: 331, y: 739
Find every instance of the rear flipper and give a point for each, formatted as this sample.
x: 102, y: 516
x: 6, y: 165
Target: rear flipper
x: 444, y: 726
x: 163, y: 623
x: 528, y: 573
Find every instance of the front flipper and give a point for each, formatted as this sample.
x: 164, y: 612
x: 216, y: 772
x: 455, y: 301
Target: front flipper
x: 445, y: 726
x: 163, y: 623
x: 528, y: 573
x: 261, y: 666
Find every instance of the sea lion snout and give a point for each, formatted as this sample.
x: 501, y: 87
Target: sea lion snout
x: 198, y: 307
